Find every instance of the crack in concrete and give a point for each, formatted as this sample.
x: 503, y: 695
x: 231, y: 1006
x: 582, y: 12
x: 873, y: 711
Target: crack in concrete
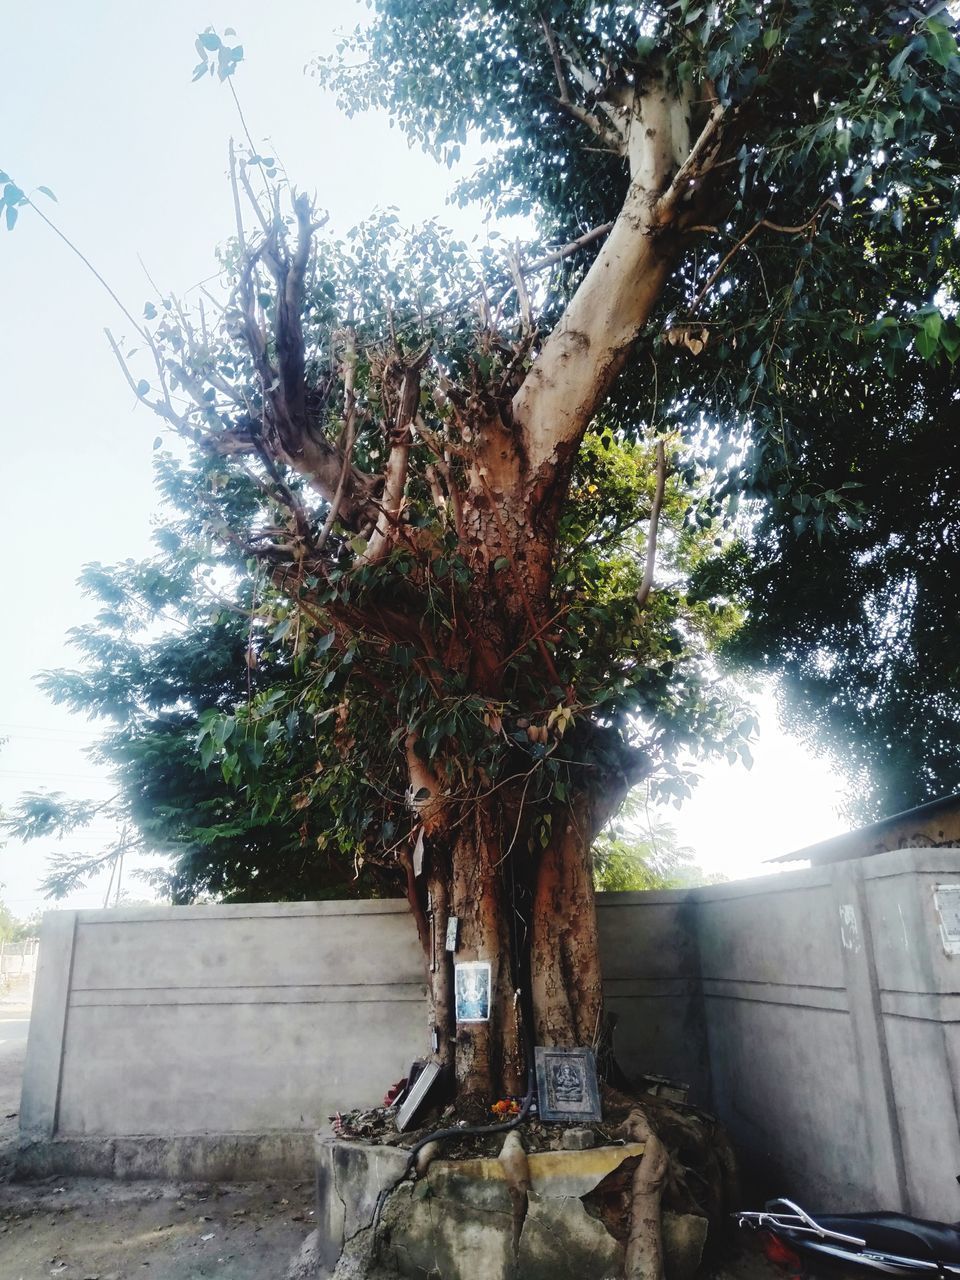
x: 343, y: 1204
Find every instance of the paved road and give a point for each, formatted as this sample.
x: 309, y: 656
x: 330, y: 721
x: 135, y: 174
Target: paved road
x: 14, y: 1022
x: 13, y: 1030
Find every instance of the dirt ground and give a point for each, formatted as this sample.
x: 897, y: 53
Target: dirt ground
x: 88, y: 1230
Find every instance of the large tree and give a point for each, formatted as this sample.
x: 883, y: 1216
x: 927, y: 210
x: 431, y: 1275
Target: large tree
x: 758, y: 202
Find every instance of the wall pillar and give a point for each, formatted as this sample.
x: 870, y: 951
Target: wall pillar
x: 885, y: 1148
x: 40, y: 1100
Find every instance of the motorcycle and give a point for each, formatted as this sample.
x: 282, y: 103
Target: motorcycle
x: 890, y: 1243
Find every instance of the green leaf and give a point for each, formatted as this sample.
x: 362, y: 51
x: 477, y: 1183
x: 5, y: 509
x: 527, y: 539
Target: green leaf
x: 941, y: 44
x: 501, y: 562
x: 932, y: 324
x: 897, y: 64
x: 926, y: 344
x: 771, y: 37
x: 324, y: 643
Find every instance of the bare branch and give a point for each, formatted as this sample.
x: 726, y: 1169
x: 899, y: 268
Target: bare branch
x: 90, y: 267
x: 574, y: 246
x: 245, y: 182
x: 348, y: 438
x: 523, y: 298
x: 161, y: 407
x: 646, y: 584
x: 614, y: 138
x: 539, y: 264
x: 766, y: 224
x: 615, y: 111
x: 238, y: 214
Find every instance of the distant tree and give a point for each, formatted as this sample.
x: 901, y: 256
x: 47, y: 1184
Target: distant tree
x: 637, y: 850
x: 862, y: 628
x: 15, y: 930
x: 8, y: 924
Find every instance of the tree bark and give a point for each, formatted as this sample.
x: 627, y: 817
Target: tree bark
x: 565, y: 964
x: 643, y: 1257
x: 489, y: 1060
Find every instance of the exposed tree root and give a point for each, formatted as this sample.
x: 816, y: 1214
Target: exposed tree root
x: 643, y: 1258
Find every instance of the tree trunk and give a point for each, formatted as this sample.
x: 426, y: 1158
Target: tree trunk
x: 523, y: 904
x: 488, y: 1055
x: 532, y: 917
x: 565, y: 964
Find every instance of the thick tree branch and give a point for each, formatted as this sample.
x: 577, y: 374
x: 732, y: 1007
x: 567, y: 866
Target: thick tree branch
x: 579, y: 361
x: 347, y: 439
x: 395, y: 475
x: 703, y: 156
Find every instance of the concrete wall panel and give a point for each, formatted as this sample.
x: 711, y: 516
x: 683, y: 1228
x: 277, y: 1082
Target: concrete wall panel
x: 776, y: 934
x: 785, y: 1083
x: 232, y: 1067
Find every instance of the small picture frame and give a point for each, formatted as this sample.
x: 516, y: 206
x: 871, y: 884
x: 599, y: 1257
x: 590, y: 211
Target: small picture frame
x: 471, y: 985
x: 416, y: 1094
x: 567, y: 1087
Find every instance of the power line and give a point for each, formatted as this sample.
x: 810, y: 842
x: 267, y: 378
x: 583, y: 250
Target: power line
x: 41, y: 728
x: 46, y: 773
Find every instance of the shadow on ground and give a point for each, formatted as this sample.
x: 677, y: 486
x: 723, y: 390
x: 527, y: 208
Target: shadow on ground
x: 90, y: 1230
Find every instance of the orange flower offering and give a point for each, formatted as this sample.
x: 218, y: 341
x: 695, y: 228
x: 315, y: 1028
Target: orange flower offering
x: 506, y: 1107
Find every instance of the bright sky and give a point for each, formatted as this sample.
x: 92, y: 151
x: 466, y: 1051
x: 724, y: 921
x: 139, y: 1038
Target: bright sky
x: 97, y: 104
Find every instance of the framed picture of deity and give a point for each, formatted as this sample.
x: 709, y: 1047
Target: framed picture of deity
x: 471, y: 987
x: 567, y: 1086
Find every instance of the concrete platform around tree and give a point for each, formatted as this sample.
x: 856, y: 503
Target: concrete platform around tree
x: 462, y: 1220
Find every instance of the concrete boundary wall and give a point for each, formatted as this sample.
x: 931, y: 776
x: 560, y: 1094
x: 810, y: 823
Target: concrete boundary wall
x: 225, y: 1035
x: 831, y: 1011
x: 817, y: 1011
